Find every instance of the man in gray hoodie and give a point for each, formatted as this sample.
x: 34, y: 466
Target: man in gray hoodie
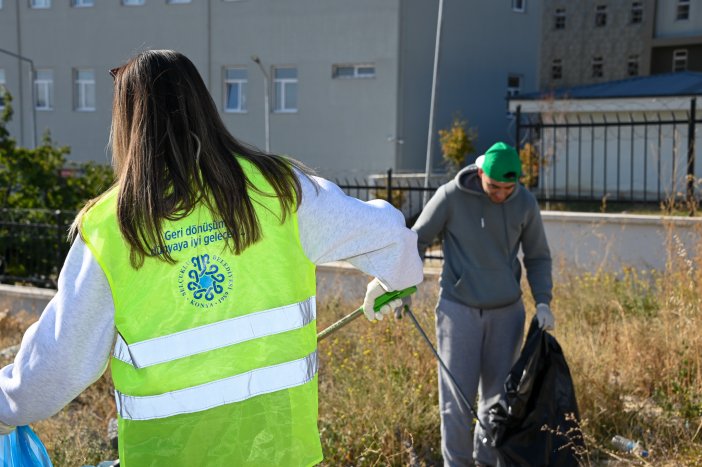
x: 484, y: 216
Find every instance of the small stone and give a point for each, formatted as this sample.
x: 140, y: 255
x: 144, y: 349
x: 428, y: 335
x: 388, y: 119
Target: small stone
x: 10, y: 352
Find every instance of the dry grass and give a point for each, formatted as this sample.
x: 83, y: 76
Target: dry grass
x: 633, y: 341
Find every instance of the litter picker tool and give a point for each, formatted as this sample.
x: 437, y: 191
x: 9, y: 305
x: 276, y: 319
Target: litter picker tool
x: 379, y: 303
x: 462, y: 396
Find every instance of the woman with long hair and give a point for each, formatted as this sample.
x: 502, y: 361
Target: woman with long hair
x: 194, y: 276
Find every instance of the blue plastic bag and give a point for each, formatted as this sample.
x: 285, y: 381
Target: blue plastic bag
x: 23, y: 448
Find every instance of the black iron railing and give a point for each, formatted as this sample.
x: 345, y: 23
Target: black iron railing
x: 618, y: 156
x: 33, y: 245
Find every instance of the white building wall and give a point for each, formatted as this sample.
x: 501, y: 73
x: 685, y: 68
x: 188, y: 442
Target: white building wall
x: 667, y: 24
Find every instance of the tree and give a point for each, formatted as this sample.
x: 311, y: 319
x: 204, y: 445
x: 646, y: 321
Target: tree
x: 35, y: 179
x: 457, y: 142
x: 35, y: 190
x: 532, y: 162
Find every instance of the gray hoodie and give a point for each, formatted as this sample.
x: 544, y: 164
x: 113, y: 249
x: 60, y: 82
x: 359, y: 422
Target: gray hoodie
x: 481, y: 242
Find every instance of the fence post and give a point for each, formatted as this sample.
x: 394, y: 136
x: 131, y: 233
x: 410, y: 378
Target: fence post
x: 389, y: 186
x: 59, y: 239
x: 691, y: 201
x: 517, y: 128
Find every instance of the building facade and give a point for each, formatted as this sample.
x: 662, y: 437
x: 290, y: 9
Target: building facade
x: 596, y: 41
x: 349, y: 83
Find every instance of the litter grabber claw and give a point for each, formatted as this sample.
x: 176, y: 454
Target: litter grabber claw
x: 379, y: 303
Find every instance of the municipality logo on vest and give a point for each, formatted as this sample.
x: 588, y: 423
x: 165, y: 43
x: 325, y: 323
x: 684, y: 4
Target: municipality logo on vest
x: 205, y: 281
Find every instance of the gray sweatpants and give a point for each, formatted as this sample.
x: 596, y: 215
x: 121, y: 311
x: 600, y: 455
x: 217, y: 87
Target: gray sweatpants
x: 479, y: 348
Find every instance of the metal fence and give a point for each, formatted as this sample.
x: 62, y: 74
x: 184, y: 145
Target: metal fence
x: 33, y: 245
x: 628, y: 157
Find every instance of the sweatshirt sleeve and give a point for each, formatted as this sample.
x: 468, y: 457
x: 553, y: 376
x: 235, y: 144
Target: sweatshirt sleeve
x: 372, y: 235
x: 537, y: 257
x: 432, y: 220
x: 67, y: 349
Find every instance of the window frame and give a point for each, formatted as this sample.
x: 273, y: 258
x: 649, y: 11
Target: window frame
x: 283, y: 83
x: 556, y: 65
x: 680, y: 55
x: 636, y: 13
x: 79, y: 4
x: 242, y: 88
x: 682, y: 8
x: 559, y: 19
x: 81, y: 88
x: 600, y: 16
x: 46, y: 4
x: 48, y: 86
x: 633, y: 62
x: 356, y: 74
x: 514, y: 90
x: 598, y: 67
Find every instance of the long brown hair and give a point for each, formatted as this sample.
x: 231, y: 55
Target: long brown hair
x: 171, y: 151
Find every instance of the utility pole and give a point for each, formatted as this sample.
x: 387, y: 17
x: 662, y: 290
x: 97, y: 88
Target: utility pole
x: 266, y: 113
x: 432, y: 104
x: 33, y: 75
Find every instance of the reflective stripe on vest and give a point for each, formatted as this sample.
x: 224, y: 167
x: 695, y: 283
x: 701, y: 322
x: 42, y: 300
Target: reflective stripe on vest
x: 216, y: 393
x: 216, y: 335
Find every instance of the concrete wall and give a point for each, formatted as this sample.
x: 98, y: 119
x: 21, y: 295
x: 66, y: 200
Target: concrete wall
x: 608, y: 242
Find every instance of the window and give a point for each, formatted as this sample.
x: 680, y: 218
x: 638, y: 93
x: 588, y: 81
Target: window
x: 514, y: 85
x: 84, y: 90
x: 636, y: 13
x: 285, y: 81
x: 132, y: 2
x: 82, y: 3
x: 600, y: 16
x: 519, y: 5
x: 557, y: 69
x: 353, y: 71
x: 559, y: 19
x: 680, y: 60
x: 2, y: 88
x: 178, y: 1
x: 44, y: 90
x: 632, y: 66
x: 597, y: 67
x: 683, y: 10
x: 40, y: 3
x: 235, y: 81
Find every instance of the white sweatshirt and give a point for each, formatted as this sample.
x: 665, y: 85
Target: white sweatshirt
x: 68, y: 348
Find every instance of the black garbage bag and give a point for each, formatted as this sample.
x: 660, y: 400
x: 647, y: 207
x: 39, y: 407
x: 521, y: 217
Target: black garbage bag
x: 535, y: 423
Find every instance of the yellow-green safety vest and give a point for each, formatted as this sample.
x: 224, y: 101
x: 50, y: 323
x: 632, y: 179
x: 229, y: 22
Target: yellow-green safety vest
x: 215, y: 361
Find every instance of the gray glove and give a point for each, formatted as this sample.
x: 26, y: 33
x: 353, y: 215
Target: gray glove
x: 544, y: 317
